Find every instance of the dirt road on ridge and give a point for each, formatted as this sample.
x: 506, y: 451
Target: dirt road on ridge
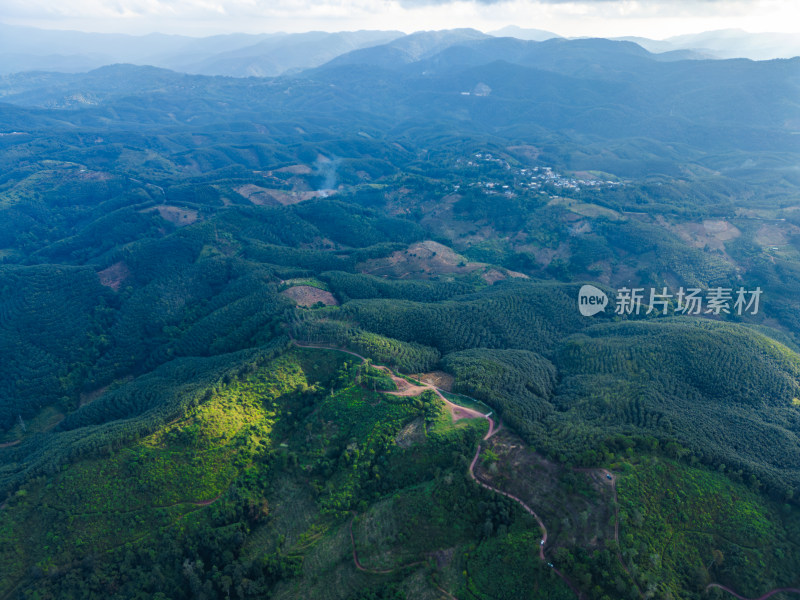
x: 408, y: 389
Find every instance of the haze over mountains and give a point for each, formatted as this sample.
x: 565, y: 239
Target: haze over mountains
x: 239, y: 55
x: 272, y: 54
x: 728, y: 43
x: 624, y: 109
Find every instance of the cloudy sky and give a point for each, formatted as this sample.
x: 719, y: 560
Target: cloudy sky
x: 651, y: 18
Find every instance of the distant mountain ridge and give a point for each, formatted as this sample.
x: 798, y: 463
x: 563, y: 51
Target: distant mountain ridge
x: 411, y: 48
x: 272, y: 54
x: 727, y: 43
x: 591, y: 92
x: 238, y: 55
x: 277, y: 55
x: 522, y: 33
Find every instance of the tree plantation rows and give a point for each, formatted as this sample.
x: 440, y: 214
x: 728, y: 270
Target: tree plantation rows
x: 176, y: 421
x: 212, y: 288
x: 725, y: 392
x: 225, y: 452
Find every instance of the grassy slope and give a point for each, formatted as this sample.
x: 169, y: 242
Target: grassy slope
x: 684, y: 527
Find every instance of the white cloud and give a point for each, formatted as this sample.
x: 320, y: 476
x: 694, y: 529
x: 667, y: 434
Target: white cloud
x: 652, y: 18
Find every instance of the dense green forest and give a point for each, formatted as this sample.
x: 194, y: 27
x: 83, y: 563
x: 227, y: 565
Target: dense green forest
x: 192, y: 268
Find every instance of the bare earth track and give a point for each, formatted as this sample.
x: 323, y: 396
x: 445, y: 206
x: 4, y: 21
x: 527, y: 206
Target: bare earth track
x: 361, y: 567
x: 407, y: 389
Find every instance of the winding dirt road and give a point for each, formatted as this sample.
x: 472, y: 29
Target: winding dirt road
x: 357, y: 562
x: 525, y: 507
x: 456, y: 410
x: 361, y: 567
x: 407, y: 389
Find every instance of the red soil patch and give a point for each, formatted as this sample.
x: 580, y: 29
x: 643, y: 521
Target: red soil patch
x: 114, y: 275
x: 460, y: 412
x: 439, y: 379
x: 174, y: 214
x: 272, y: 197
x: 492, y: 275
x: 307, y: 295
x: 422, y: 260
x: 404, y: 387
x: 295, y: 170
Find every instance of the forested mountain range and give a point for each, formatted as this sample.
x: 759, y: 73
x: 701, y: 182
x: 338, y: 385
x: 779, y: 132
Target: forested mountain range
x: 272, y: 54
x: 432, y: 203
